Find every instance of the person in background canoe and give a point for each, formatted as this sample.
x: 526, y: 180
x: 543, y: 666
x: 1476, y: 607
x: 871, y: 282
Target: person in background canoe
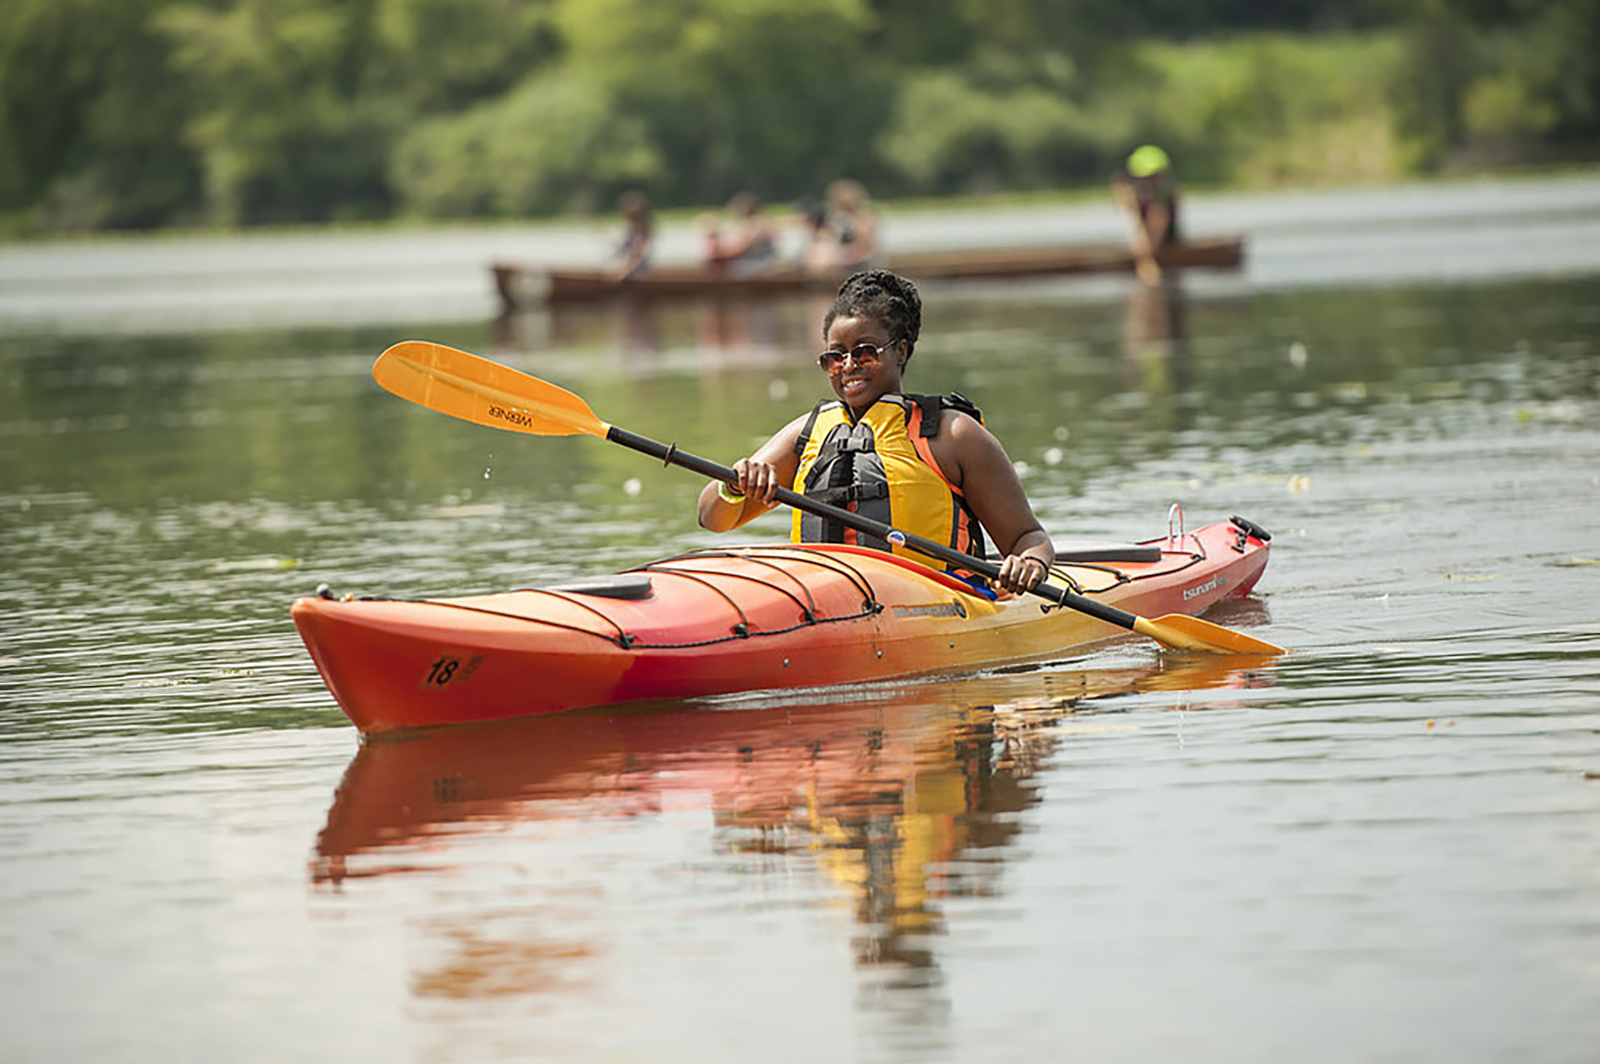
x: 1147, y: 192
x: 633, y: 250
x: 749, y: 244
x: 853, y: 224
x: 817, y: 253
x: 924, y: 464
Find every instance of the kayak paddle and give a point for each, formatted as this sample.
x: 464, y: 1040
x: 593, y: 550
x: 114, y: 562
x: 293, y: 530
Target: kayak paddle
x: 486, y: 393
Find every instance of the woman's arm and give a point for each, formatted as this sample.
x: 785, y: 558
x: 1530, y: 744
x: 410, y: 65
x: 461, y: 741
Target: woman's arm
x: 773, y: 466
x: 976, y: 463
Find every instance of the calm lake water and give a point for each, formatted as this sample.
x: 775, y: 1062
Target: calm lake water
x: 1384, y: 846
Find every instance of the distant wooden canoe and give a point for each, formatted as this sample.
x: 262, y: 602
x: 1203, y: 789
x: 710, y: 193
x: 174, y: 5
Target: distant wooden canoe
x: 523, y: 286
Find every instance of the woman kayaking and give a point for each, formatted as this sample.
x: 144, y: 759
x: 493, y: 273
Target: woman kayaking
x: 924, y: 464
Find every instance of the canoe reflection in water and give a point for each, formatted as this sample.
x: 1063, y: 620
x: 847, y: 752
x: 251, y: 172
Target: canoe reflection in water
x: 901, y: 794
x: 1155, y: 340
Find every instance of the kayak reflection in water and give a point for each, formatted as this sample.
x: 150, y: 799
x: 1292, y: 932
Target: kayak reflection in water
x: 924, y: 464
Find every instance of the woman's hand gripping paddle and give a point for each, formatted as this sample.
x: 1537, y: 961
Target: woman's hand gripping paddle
x: 487, y: 393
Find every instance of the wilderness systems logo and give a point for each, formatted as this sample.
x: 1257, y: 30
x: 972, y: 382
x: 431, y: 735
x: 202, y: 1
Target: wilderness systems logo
x: 938, y: 609
x: 515, y: 417
x: 1214, y: 584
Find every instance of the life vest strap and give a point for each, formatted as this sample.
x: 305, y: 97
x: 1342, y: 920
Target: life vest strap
x: 848, y: 493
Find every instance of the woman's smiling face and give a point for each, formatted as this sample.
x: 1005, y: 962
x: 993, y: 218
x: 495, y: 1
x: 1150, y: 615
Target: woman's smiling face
x: 861, y: 383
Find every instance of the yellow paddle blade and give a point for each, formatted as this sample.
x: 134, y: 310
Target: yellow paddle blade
x: 1183, y: 632
x: 486, y: 393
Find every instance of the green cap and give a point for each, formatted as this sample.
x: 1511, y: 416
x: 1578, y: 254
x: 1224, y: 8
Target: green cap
x: 1146, y: 160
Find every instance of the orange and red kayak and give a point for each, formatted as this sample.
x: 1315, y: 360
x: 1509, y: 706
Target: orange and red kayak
x: 740, y: 619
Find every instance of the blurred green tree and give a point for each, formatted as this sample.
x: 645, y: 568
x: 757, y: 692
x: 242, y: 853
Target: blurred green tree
x: 771, y: 96
x: 91, y: 117
x: 126, y: 113
x: 301, y: 103
x: 281, y: 127
x: 1486, y: 82
x: 555, y: 143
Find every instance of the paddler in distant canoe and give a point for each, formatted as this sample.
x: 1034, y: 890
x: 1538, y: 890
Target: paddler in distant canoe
x: 749, y: 243
x: 1147, y: 191
x: 853, y: 225
x: 924, y: 464
x: 632, y: 255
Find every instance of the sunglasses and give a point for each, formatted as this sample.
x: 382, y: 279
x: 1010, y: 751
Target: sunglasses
x: 864, y: 355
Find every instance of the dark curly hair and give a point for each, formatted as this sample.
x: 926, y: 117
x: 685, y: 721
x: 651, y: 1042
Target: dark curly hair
x: 883, y: 296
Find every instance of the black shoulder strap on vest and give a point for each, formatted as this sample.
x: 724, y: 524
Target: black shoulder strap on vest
x: 811, y: 423
x: 957, y: 401
x: 932, y: 405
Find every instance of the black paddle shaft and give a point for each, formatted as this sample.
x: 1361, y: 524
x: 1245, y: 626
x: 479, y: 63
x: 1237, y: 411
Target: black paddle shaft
x: 670, y: 455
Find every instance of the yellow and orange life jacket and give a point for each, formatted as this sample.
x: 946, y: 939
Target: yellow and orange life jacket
x: 881, y: 466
